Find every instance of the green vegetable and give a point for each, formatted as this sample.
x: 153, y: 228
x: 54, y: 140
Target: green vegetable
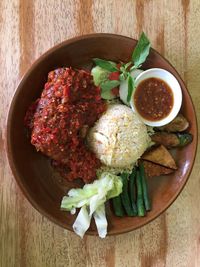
x: 140, y: 203
x: 127, y: 65
x: 99, y: 75
x: 108, y: 85
x: 101, y: 78
x: 91, y: 199
x: 124, y: 195
x: 132, y: 192
x: 105, y: 64
x: 108, y: 185
x: 131, y: 86
x: 184, y: 139
x: 141, y: 51
x: 117, y: 184
x: 117, y: 205
x: 123, y: 76
x: 107, y: 95
x: 146, y: 199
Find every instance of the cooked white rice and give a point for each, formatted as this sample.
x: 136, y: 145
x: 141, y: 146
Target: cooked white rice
x: 118, y: 138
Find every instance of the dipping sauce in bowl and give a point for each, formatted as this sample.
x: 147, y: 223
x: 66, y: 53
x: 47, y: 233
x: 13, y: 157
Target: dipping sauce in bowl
x: 157, y: 97
x: 153, y: 99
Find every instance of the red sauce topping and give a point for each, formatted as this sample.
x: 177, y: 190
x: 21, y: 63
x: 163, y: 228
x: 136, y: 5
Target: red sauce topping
x: 153, y: 99
x: 69, y: 104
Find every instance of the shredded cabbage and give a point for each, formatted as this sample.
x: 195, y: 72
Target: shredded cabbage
x: 82, y: 222
x: 91, y: 199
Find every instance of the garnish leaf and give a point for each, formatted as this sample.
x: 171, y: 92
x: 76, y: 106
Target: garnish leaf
x: 131, y: 87
x: 141, y: 50
x: 105, y: 64
x: 108, y: 85
x: 122, y: 68
x: 127, y: 65
x: 122, y: 77
x: 102, y: 78
x: 133, y: 68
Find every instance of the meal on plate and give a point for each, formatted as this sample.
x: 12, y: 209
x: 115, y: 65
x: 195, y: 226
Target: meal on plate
x: 113, y: 128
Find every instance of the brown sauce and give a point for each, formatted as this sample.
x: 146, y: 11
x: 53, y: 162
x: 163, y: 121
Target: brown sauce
x: 153, y: 99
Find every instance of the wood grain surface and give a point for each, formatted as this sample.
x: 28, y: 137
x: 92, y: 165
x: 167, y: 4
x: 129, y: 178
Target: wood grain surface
x: 28, y: 29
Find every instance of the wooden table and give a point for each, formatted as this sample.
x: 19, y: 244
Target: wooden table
x: 28, y: 29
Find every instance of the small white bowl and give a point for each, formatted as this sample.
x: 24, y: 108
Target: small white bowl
x: 168, y: 78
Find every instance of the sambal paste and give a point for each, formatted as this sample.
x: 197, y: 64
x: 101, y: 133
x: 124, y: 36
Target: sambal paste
x: 153, y: 99
x: 69, y: 104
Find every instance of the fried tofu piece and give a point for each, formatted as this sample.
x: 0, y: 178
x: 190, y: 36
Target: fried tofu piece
x: 160, y: 155
x: 179, y: 124
x: 152, y: 169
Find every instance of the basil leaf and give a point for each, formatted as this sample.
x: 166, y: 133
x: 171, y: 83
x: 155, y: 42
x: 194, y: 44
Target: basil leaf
x: 122, y: 77
x: 105, y: 64
x: 108, y: 85
x: 127, y: 65
x: 141, y: 50
x: 131, y: 87
x: 133, y: 68
x: 122, y: 69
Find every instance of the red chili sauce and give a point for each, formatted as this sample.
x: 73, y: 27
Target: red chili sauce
x: 153, y: 99
x: 70, y: 103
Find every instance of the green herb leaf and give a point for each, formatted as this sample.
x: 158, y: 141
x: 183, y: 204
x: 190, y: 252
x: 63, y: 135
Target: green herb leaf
x: 105, y: 64
x: 122, y: 77
x: 108, y: 85
x: 131, y: 87
x: 122, y: 68
x: 133, y: 68
x: 141, y: 50
x: 127, y: 65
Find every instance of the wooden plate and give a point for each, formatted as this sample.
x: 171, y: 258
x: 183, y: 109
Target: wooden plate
x: 38, y: 181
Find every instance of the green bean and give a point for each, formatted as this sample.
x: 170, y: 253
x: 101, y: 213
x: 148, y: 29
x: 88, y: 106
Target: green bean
x: 146, y: 199
x: 124, y: 195
x: 132, y: 191
x: 140, y: 203
x: 117, y: 205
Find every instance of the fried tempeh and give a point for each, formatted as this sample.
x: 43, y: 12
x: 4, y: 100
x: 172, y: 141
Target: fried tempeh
x: 179, y: 124
x: 166, y: 139
x: 152, y: 169
x: 160, y: 155
x: 171, y: 140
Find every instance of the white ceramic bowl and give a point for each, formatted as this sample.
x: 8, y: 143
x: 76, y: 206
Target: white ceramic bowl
x: 168, y: 78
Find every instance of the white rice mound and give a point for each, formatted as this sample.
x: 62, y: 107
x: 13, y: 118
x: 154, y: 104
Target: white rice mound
x: 119, y: 137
